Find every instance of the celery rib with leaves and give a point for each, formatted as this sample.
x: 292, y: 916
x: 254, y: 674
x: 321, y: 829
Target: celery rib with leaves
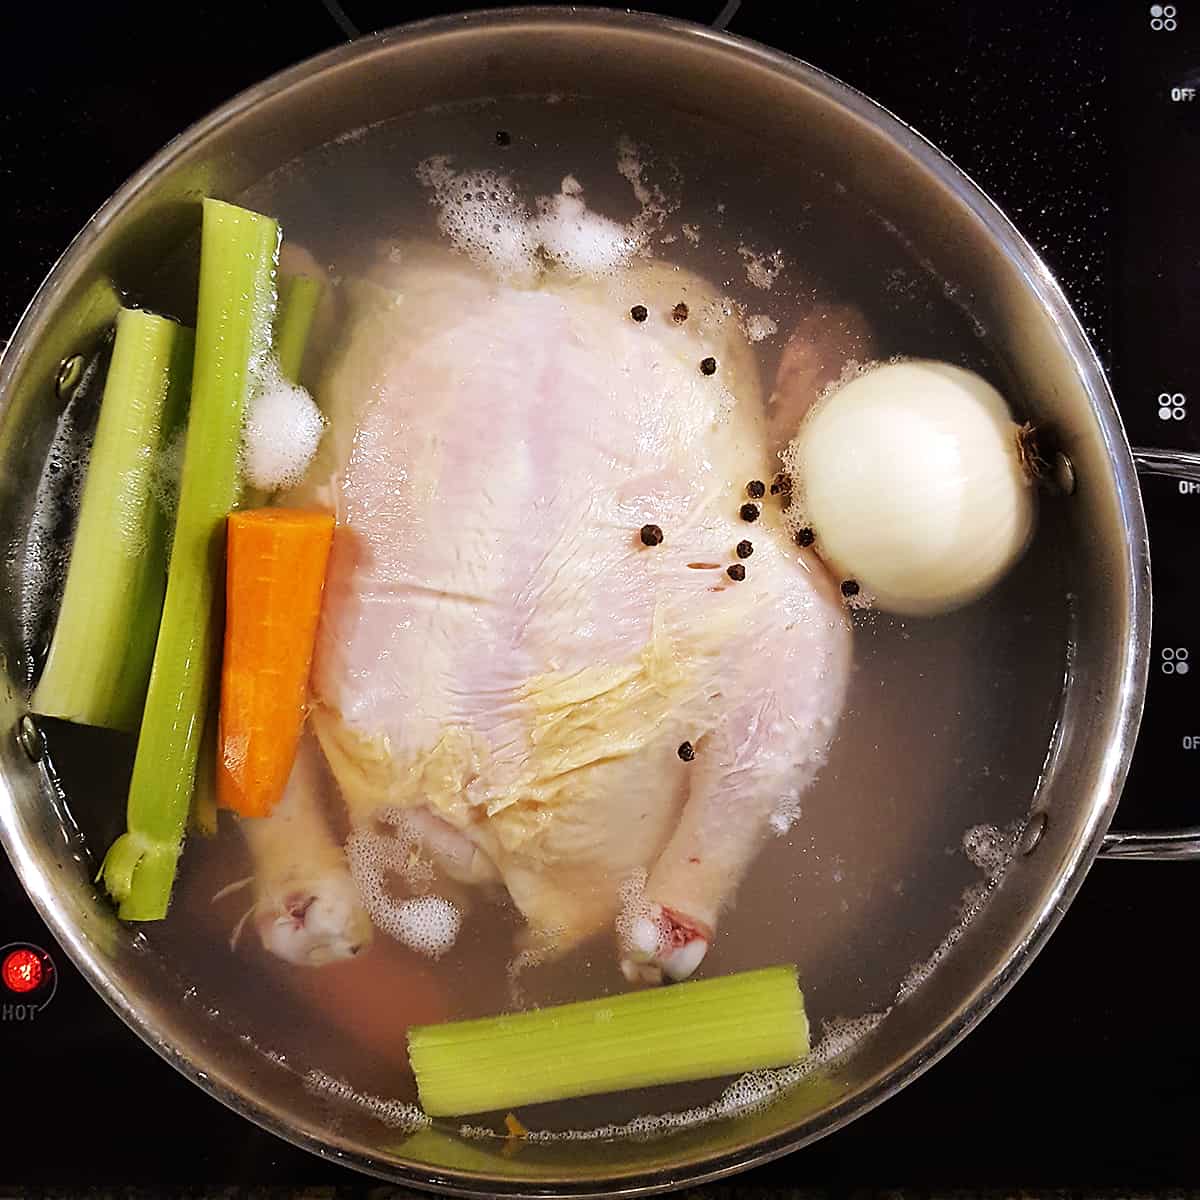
x: 685, y: 1032
x: 99, y: 661
x: 238, y: 254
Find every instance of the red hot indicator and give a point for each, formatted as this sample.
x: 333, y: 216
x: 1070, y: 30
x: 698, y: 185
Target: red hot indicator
x: 22, y: 971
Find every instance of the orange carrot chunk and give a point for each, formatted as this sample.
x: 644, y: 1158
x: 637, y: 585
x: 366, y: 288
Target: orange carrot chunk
x: 274, y: 574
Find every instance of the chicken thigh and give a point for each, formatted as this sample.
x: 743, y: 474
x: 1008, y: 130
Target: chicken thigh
x: 607, y: 728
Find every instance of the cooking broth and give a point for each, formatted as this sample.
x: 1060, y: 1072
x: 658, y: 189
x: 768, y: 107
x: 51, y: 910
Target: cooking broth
x: 947, y: 720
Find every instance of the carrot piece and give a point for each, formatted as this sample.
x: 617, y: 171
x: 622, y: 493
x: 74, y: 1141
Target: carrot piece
x: 275, y: 571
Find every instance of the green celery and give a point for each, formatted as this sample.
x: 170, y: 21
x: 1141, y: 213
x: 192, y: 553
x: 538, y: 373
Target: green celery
x: 299, y: 296
x: 684, y: 1032
x: 203, y: 816
x: 238, y: 253
x: 103, y: 644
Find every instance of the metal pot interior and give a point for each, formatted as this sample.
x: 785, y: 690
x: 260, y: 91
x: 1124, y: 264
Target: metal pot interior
x: 791, y: 115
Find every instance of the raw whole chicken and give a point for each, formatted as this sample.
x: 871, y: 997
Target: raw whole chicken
x: 504, y: 666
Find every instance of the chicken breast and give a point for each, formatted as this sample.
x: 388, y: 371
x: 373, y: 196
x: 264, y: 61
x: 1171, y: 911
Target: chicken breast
x: 559, y: 706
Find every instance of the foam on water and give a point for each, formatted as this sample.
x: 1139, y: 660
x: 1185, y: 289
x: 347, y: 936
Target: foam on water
x: 395, y: 1114
x: 583, y: 242
x: 747, y: 1094
x: 990, y: 849
x: 636, y: 914
x: 482, y: 215
x: 282, y: 431
x: 759, y: 326
x: 485, y: 218
x: 762, y: 269
x: 427, y: 924
x: 786, y: 812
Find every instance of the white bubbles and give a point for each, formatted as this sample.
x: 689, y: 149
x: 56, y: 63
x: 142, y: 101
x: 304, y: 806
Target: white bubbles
x: 759, y: 326
x: 424, y: 923
x: 427, y: 924
x: 395, y: 1114
x: 653, y: 198
x: 485, y: 218
x: 762, y: 269
x: 482, y: 215
x: 282, y: 431
x: 581, y: 241
x: 920, y: 972
x: 786, y: 812
x: 641, y: 932
x: 748, y: 1093
x: 636, y: 912
x: 991, y: 850
x: 44, y: 554
x: 168, y: 471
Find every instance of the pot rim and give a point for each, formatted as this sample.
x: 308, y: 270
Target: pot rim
x: 1127, y: 703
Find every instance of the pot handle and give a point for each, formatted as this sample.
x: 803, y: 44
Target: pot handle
x: 1146, y: 844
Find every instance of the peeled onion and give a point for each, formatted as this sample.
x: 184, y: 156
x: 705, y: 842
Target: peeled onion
x: 912, y: 478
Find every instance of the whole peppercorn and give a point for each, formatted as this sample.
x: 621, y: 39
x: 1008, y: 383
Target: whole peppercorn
x: 805, y: 537
x: 651, y: 535
x: 850, y: 588
x: 639, y: 312
x: 756, y: 489
x: 708, y: 366
x: 745, y: 549
x: 748, y: 512
x: 686, y: 751
x: 679, y: 313
x: 736, y: 572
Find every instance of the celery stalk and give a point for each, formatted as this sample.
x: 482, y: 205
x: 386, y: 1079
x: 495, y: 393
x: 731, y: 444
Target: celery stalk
x: 238, y: 251
x: 640, y: 1039
x: 203, y: 816
x: 103, y: 644
x: 299, y: 296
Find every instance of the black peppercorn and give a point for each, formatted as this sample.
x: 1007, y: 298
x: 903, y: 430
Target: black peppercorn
x: 736, y: 572
x: 849, y: 588
x: 651, y: 535
x: 708, y: 366
x: 805, y: 537
x: 639, y: 312
x: 756, y: 489
x: 781, y: 485
x: 679, y: 313
x: 745, y: 549
x: 748, y: 512
x: 686, y: 751
x: 503, y: 137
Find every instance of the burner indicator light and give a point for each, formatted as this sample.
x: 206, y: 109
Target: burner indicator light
x: 22, y: 970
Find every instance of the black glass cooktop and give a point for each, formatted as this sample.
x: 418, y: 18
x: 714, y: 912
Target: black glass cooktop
x: 1083, y: 120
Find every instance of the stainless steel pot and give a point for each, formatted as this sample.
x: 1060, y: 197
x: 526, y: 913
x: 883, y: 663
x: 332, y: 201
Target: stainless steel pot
x: 964, y: 237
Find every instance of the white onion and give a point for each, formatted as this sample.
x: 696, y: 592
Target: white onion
x: 912, y: 479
